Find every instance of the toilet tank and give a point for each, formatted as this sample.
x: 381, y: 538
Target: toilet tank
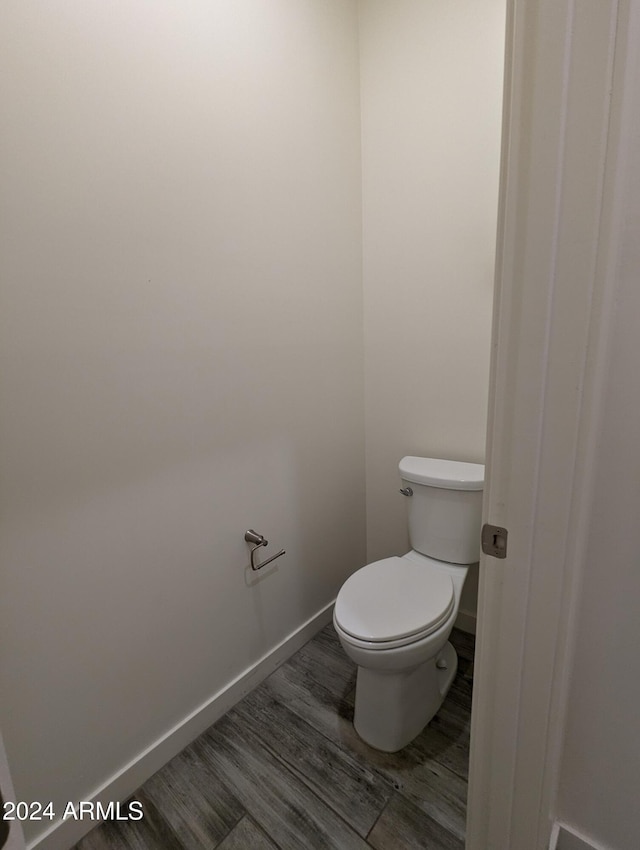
x: 445, y: 509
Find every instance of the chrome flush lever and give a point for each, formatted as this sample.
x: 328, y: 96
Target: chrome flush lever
x: 407, y: 491
x: 252, y: 536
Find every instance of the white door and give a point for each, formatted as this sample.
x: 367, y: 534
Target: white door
x: 566, y: 68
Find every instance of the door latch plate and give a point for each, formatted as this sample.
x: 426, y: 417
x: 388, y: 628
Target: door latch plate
x: 494, y: 540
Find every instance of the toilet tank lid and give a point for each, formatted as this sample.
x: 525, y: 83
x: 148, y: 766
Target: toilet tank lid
x: 447, y: 474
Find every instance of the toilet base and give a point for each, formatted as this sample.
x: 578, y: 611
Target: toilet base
x: 392, y: 707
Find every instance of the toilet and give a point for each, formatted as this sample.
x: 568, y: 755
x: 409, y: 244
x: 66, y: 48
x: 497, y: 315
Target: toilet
x: 394, y: 616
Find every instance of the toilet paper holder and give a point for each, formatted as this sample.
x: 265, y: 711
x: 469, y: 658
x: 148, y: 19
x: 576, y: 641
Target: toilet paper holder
x: 252, y: 536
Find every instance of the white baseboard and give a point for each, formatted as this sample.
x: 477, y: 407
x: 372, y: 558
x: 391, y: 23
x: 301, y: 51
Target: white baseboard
x: 466, y: 622
x: 565, y: 837
x: 65, y: 833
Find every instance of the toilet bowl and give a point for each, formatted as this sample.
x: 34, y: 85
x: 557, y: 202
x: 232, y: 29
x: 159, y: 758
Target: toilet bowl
x: 393, y: 617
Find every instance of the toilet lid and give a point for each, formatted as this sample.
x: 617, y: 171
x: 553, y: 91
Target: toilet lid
x: 394, y: 599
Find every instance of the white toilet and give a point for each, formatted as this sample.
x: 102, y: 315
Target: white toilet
x: 394, y: 616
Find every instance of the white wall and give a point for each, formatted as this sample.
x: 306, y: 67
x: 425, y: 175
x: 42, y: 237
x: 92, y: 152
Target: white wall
x: 181, y: 339
x: 181, y: 358
x: 11, y: 831
x: 599, y: 781
x: 431, y: 77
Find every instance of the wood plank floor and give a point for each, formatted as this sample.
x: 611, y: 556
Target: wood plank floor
x: 285, y: 769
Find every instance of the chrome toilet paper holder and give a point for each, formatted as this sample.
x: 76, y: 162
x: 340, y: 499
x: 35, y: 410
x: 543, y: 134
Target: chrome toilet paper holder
x: 252, y: 536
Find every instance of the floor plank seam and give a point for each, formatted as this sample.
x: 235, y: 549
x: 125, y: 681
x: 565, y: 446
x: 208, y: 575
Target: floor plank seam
x: 285, y: 770
x: 228, y: 833
x: 381, y: 776
x: 382, y: 811
x: 311, y: 785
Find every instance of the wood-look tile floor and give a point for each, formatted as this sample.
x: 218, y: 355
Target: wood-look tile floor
x: 285, y: 769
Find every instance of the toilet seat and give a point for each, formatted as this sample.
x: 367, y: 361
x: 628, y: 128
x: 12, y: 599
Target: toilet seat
x: 393, y: 602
